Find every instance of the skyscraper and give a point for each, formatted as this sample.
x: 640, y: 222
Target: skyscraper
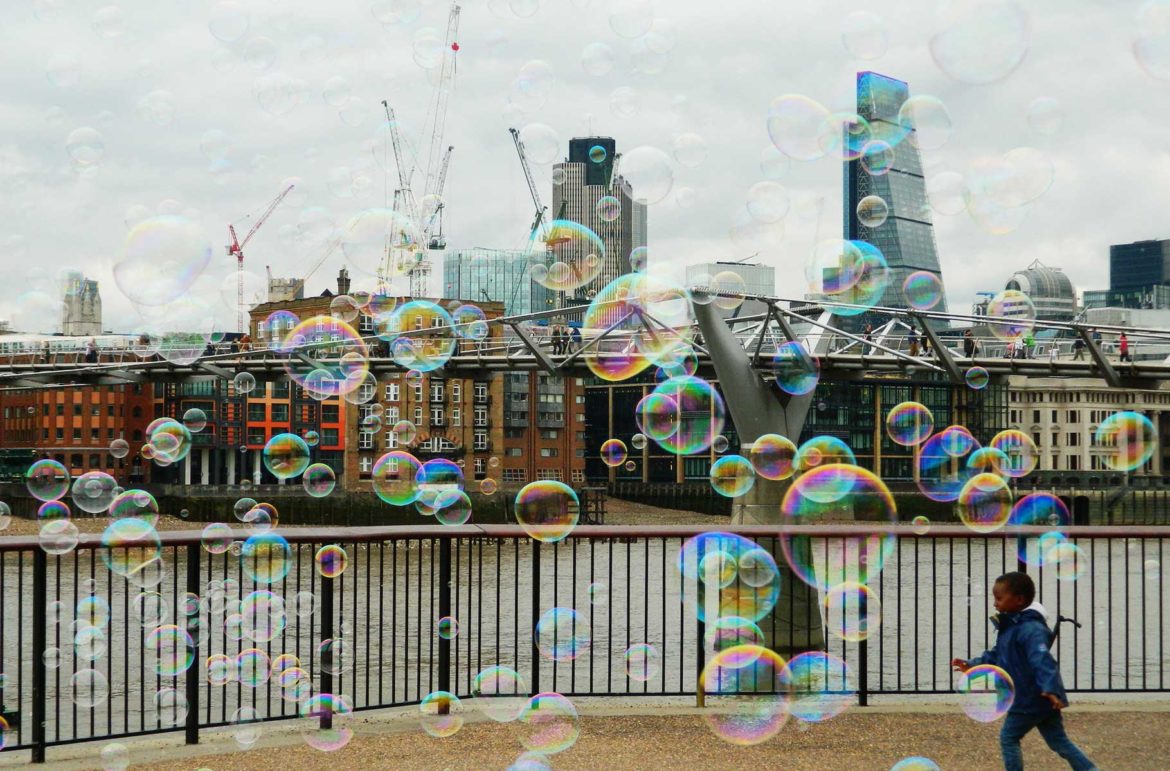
x: 906, y: 237
x: 584, y: 180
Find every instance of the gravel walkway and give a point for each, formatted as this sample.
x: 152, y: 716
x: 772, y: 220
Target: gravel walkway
x: 859, y: 739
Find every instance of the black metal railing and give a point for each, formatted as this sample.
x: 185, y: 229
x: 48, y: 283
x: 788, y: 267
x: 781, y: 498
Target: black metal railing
x: 496, y: 582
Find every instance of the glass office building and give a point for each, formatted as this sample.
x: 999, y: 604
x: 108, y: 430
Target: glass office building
x: 906, y: 238
x: 496, y: 275
x: 1139, y: 265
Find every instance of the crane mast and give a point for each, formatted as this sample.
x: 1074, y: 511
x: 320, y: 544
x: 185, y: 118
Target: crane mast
x: 236, y: 249
x: 538, y: 219
x: 442, y: 99
x: 433, y: 232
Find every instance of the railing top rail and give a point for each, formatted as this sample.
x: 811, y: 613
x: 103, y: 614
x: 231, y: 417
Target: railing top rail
x: 588, y: 532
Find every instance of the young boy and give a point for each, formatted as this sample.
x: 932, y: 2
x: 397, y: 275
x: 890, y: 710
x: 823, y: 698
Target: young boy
x: 1021, y: 650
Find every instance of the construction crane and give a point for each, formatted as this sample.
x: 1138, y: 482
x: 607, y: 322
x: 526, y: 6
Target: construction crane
x: 236, y: 249
x: 538, y: 219
x: 436, y: 173
x: 443, y: 91
x: 433, y: 232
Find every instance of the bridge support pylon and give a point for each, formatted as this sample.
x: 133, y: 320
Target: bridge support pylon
x: 795, y: 624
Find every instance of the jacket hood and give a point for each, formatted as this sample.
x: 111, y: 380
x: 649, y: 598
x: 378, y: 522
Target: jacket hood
x: 1034, y: 612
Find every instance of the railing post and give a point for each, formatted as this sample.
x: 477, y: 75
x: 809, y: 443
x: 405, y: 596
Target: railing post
x: 535, y: 676
x: 444, y: 611
x: 193, y: 671
x: 40, y: 622
x: 701, y: 626
x: 326, y: 655
x: 863, y: 673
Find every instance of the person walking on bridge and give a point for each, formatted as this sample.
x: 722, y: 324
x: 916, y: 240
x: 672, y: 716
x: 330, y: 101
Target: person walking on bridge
x: 969, y: 344
x: 1078, y: 350
x: 1123, y: 347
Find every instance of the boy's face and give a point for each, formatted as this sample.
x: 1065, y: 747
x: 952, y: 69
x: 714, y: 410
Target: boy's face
x: 1005, y: 601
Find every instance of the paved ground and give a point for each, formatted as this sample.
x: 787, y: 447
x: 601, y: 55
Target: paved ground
x: 669, y: 737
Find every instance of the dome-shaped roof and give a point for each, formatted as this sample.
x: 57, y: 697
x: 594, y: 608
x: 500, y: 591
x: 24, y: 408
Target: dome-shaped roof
x: 1041, y: 282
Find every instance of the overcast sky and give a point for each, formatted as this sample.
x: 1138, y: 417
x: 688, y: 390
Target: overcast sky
x: 206, y: 109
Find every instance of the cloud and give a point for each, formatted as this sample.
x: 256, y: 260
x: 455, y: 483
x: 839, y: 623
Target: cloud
x: 711, y: 70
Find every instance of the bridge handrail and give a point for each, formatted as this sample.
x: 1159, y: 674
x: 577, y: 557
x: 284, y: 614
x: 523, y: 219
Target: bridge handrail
x: 600, y: 532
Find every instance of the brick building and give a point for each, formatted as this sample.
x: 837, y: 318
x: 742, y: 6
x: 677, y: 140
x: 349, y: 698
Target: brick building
x: 75, y: 425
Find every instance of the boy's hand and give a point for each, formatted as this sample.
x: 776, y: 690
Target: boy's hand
x: 1054, y: 700
x: 960, y: 665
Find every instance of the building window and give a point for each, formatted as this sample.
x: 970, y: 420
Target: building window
x: 481, y: 392
x: 329, y: 436
x: 481, y: 440
x: 1073, y: 416
x: 365, y: 463
x: 481, y: 416
x: 95, y: 461
x: 391, y: 440
x: 436, y: 416
x: 438, y: 392
x: 367, y: 391
x: 61, y: 409
x: 1074, y: 440
x: 578, y: 475
x: 391, y: 392
x: 456, y: 391
x: 77, y: 410
x: 256, y: 437
x: 77, y: 435
x: 330, y: 413
x: 549, y: 452
x: 95, y: 435
x: 95, y: 411
x: 456, y: 417
x: 110, y: 411
x: 76, y: 460
x: 418, y: 416
x: 279, y: 389
x: 391, y: 416
x: 514, y: 452
x: 548, y: 473
x: 280, y: 413
x: 1035, y: 416
x: 515, y: 475
x: 480, y: 468
x: 365, y: 440
x: 256, y: 413
x: 549, y: 433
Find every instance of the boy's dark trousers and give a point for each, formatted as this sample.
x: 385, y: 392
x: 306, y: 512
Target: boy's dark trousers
x: 1051, y: 727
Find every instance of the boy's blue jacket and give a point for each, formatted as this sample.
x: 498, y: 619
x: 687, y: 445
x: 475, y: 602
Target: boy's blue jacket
x: 1021, y: 650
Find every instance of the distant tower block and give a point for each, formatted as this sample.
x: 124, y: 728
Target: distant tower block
x: 285, y: 289
x: 81, y: 306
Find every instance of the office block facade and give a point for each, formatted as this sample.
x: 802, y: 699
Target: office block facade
x: 906, y: 237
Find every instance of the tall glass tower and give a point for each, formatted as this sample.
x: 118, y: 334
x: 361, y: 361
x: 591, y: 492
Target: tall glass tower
x: 906, y: 238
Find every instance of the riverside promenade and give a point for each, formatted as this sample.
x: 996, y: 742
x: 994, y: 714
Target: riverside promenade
x: 671, y: 734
